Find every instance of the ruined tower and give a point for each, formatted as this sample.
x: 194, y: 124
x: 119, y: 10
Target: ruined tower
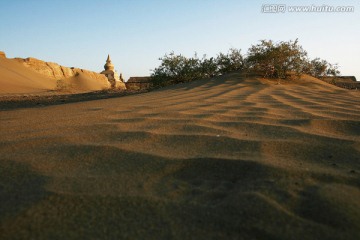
x: 110, y: 73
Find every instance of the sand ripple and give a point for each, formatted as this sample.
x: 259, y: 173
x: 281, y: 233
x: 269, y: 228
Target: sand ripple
x: 228, y: 158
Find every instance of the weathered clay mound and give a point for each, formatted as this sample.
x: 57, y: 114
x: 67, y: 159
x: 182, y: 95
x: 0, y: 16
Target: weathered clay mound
x: 15, y: 78
x: 56, y: 71
x: 31, y: 75
x: 82, y: 82
x: 2, y: 54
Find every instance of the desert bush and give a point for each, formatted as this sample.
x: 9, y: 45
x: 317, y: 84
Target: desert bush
x: 321, y: 68
x: 179, y: 69
x: 276, y: 59
x: 209, y: 67
x: 232, y: 61
x: 175, y: 69
x: 272, y: 59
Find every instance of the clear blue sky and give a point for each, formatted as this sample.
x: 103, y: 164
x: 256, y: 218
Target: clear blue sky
x: 80, y: 33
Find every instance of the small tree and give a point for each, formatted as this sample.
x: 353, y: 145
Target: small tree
x: 175, y: 69
x: 276, y: 59
x: 178, y: 69
x: 320, y: 68
x: 271, y: 59
x: 209, y: 67
x: 332, y: 69
x: 232, y: 61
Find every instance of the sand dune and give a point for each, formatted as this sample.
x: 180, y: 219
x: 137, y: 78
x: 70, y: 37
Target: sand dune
x: 228, y: 158
x: 15, y: 78
x: 81, y: 83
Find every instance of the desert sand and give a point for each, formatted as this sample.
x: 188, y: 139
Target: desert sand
x: 15, y: 78
x: 234, y: 157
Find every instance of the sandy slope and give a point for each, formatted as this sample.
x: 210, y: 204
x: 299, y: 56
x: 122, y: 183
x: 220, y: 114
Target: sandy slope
x: 82, y: 83
x: 228, y: 158
x: 15, y: 78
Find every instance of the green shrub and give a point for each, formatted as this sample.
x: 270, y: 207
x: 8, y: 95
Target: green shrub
x: 272, y: 59
x: 276, y: 59
x: 321, y: 68
x: 179, y: 69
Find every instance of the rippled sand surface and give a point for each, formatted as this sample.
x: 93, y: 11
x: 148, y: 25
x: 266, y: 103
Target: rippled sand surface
x: 229, y: 158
